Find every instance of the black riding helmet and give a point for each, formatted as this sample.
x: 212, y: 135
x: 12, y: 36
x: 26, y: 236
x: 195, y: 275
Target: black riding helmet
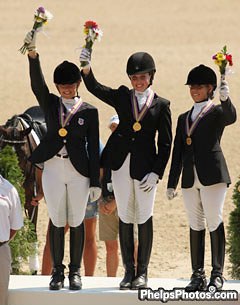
x: 202, y: 75
x: 141, y: 62
x: 66, y: 73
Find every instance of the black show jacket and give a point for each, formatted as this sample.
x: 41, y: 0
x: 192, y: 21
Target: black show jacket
x: 82, y: 139
x: 145, y: 156
x: 205, y: 152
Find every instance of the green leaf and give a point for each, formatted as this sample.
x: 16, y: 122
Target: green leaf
x: 224, y: 50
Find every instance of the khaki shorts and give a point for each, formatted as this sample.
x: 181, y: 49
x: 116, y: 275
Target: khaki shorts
x: 108, y: 226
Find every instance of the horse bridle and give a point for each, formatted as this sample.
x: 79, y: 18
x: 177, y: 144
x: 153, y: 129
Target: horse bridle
x: 12, y: 141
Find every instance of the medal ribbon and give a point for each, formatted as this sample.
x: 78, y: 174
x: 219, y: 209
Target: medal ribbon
x: 203, y: 112
x: 138, y: 115
x: 64, y: 120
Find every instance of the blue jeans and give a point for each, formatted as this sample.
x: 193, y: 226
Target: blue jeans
x: 91, y: 210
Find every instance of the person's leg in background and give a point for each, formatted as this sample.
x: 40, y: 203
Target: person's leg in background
x: 108, y: 232
x: 90, y: 248
x: 46, y: 258
x: 112, y: 258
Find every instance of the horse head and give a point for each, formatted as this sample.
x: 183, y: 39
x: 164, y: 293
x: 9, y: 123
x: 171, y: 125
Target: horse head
x: 12, y: 133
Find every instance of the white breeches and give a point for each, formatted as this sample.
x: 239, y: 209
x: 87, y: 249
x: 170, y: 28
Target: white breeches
x: 133, y: 205
x: 66, y: 192
x: 204, y: 203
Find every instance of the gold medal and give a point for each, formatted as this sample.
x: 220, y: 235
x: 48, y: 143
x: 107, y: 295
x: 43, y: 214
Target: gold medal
x: 137, y: 126
x: 188, y: 141
x: 62, y: 132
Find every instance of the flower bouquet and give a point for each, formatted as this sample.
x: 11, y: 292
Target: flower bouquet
x: 92, y: 32
x: 41, y: 16
x: 222, y: 59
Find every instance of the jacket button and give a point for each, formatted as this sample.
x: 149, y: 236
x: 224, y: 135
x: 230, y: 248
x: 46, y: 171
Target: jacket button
x: 64, y: 141
x: 133, y: 139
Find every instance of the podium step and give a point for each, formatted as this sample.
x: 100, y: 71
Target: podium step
x: 33, y: 290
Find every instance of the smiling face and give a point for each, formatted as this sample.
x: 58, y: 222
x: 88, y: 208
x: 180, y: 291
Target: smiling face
x: 200, y: 93
x: 140, y: 82
x: 68, y: 91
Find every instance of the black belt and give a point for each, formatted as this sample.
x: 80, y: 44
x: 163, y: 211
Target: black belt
x: 2, y: 243
x: 62, y: 156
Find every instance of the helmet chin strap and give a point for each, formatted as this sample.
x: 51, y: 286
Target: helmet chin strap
x: 202, y: 101
x: 151, y: 77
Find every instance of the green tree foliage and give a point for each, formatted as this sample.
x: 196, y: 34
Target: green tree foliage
x: 22, y: 244
x: 234, y: 234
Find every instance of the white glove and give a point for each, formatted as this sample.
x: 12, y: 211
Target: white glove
x: 171, y: 193
x: 94, y: 193
x: 30, y: 40
x: 85, y: 58
x: 148, y: 182
x: 224, y: 91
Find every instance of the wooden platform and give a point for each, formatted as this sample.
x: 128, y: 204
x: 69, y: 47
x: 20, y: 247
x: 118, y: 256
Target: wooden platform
x: 33, y: 290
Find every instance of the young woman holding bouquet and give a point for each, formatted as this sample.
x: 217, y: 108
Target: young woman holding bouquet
x: 198, y: 155
x: 133, y: 158
x: 70, y: 153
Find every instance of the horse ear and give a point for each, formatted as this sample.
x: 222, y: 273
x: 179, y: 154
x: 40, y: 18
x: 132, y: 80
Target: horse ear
x: 25, y: 132
x: 3, y: 130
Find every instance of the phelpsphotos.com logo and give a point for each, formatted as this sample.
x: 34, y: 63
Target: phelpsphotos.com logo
x: 176, y: 294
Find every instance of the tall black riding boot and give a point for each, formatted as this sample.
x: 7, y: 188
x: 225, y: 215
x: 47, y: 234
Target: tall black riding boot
x: 76, y: 252
x: 127, y: 250
x: 218, y: 256
x: 145, y: 239
x: 56, y: 238
x: 197, y: 247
